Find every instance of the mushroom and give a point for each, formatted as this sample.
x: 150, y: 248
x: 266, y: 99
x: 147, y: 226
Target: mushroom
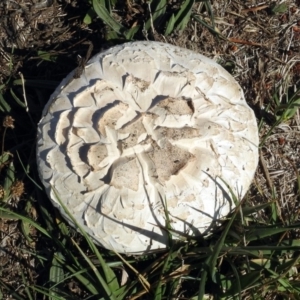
x: 149, y: 132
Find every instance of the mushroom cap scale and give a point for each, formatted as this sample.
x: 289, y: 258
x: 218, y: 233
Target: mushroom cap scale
x: 147, y: 129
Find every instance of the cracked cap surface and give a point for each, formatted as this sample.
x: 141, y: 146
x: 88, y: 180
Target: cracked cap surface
x: 147, y: 127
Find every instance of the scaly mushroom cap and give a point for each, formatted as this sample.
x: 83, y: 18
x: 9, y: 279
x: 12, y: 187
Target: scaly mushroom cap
x: 147, y: 130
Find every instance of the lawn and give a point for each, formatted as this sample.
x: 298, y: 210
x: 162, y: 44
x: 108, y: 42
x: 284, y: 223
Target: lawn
x: 254, y: 253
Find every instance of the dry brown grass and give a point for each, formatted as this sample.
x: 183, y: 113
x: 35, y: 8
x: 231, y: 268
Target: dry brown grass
x: 260, y: 47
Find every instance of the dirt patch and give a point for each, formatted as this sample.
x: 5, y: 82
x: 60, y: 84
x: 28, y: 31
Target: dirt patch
x: 42, y: 41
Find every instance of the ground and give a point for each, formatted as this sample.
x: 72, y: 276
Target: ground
x: 42, y: 41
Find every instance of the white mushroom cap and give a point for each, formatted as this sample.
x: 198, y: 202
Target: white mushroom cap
x: 148, y: 127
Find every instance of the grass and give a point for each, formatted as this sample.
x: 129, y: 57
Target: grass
x: 253, y: 254
x: 245, y: 255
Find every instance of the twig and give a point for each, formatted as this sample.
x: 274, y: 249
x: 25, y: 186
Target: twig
x: 255, y: 8
x: 249, y: 20
x: 83, y: 61
x: 151, y: 19
x: 266, y: 172
x: 24, y: 92
x: 234, y: 40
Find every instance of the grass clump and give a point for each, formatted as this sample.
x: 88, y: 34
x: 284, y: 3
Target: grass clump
x: 245, y: 257
x: 159, y: 17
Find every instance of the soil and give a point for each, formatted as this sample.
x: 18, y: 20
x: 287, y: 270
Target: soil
x: 41, y: 41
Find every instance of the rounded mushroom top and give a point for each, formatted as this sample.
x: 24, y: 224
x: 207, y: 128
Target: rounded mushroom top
x: 147, y: 131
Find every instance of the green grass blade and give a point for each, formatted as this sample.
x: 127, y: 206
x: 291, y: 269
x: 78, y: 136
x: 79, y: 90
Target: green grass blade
x: 16, y: 98
x: 129, y: 34
x: 105, y: 284
x: 290, y: 109
x: 107, y: 4
x: 110, y: 285
x: 201, y: 292
x: 209, y: 27
x: 249, y: 210
x: 26, y: 230
x: 212, y: 260
x: 47, y: 56
x: 27, y: 173
x: 184, y: 14
x: 46, y: 293
x: 210, y: 263
x: 237, y: 283
x: 253, y: 251
x: 284, y: 282
x: 56, y: 275
x: 245, y: 282
x: 27, y: 290
x: 12, y: 292
x: 36, y: 83
x: 4, y: 106
x: 258, y: 233
x: 158, y: 10
x: 25, y: 219
x: 9, y: 178
x: 90, y: 284
x: 280, y: 8
x: 4, y: 157
x: 90, y: 15
x: 166, y: 266
x: 170, y: 25
x: 210, y: 13
x: 104, y: 15
x: 7, y: 216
